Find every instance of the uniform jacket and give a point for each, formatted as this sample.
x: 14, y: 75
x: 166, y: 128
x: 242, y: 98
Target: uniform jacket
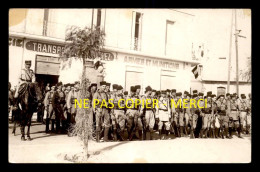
x: 48, y: 98
x: 73, y: 94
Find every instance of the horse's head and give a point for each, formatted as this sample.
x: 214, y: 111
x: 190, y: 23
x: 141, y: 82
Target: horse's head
x: 35, y: 91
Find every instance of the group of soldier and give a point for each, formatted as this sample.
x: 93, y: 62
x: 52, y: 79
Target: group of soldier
x: 128, y: 120
x: 222, y: 116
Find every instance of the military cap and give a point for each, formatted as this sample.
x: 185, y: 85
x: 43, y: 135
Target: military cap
x: 201, y: 94
x: 163, y: 92
x: 119, y: 87
x: 194, y: 95
x: 213, y: 95
x: 154, y: 91
x: 28, y: 62
x: 148, y: 88
x: 126, y: 93
x: 233, y: 95
x: 158, y: 92
x: 209, y: 93
x: 243, y: 96
x: 133, y: 88
x: 178, y: 94
x: 186, y: 92
x: 189, y: 95
x: 168, y: 90
x: 195, y: 91
x: 108, y: 84
x: 93, y: 85
x: 59, y: 84
x: 221, y: 95
x: 138, y: 87
x: 228, y: 94
x: 174, y: 90
x: 102, y: 83
x: 115, y: 86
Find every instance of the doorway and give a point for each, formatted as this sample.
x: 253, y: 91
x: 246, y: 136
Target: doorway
x: 44, y: 79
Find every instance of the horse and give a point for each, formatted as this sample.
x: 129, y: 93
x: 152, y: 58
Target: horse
x: 30, y: 95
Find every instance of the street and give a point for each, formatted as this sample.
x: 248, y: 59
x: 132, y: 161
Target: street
x: 53, y: 148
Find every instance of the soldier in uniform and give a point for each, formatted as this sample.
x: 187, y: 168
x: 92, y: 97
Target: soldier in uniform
x: 163, y: 112
x: 132, y: 114
x: 222, y: 110
x: 58, y: 106
x: 248, y: 116
x: 147, y: 110
x: 179, y: 112
x: 194, y: 115
x: 207, y: 118
x: 173, y: 93
x: 27, y: 76
x: 187, y: 113
x: 49, y: 108
x: 72, y: 110
x: 233, y: 107
x: 65, y: 109
x: 102, y: 114
x: 243, y: 112
x: 118, y: 112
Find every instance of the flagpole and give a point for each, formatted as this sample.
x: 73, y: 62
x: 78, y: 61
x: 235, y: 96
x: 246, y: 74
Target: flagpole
x: 230, y: 47
x: 237, y: 78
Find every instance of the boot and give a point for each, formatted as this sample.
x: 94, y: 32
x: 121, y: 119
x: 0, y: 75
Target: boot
x: 187, y: 130
x: 160, y: 134
x: 122, y: 135
x: 181, y: 128
x: 239, y: 133
x: 213, y: 133
x: 47, y: 125
x: 58, y: 126
x: 192, y: 134
x: 98, y: 136
x: 216, y: 132
x: 206, y: 133
x: 147, y: 135
x: 201, y: 133
x: 140, y: 134
x: 230, y: 133
x: 114, y: 135
x: 106, y: 134
x: 52, y: 125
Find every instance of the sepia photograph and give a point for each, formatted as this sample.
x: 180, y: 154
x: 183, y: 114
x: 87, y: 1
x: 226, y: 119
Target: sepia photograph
x: 129, y: 85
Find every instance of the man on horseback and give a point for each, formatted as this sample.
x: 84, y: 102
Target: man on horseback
x: 27, y: 76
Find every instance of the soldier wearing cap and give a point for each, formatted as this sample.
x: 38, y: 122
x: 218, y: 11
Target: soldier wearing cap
x: 72, y: 110
x: 173, y: 93
x: 248, y: 116
x: 132, y: 114
x: 147, y: 110
x: 243, y: 112
x: 207, y: 116
x: 27, y: 76
x: 65, y: 109
x: 234, y: 115
x: 174, y: 114
x: 194, y: 115
x: 179, y: 113
x: 138, y: 90
x: 125, y: 94
x: 222, y: 110
x: 163, y: 112
x: 58, y: 102
x: 187, y: 113
x: 215, y: 124
x: 48, y: 105
x: 118, y: 112
x: 102, y: 114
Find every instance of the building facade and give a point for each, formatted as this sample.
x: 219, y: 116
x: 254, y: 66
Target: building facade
x: 142, y: 46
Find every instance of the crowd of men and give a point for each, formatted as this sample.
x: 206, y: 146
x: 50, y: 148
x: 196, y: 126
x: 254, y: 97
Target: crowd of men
x: 223, y: 116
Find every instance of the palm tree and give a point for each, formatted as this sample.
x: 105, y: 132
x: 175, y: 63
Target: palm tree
x: 85, y: 44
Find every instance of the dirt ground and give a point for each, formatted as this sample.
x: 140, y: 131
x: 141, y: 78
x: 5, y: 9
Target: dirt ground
x: 53, y: 148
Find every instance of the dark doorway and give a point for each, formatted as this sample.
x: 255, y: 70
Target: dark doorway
x: 44, y: 79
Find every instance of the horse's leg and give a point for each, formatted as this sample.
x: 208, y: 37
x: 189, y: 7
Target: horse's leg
x: 29, y: 126
x: 22, y: 132
x: 14, y: 127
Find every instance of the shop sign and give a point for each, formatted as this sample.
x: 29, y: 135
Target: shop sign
x: 151, y: 62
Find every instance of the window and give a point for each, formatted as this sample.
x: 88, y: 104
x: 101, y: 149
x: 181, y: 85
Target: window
x: 169, y: 38
x: 98, y: 18
x: 45, y: 22
x: 136, y: 31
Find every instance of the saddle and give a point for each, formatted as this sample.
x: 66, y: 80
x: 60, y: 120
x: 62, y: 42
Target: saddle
x: 23, y: 87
